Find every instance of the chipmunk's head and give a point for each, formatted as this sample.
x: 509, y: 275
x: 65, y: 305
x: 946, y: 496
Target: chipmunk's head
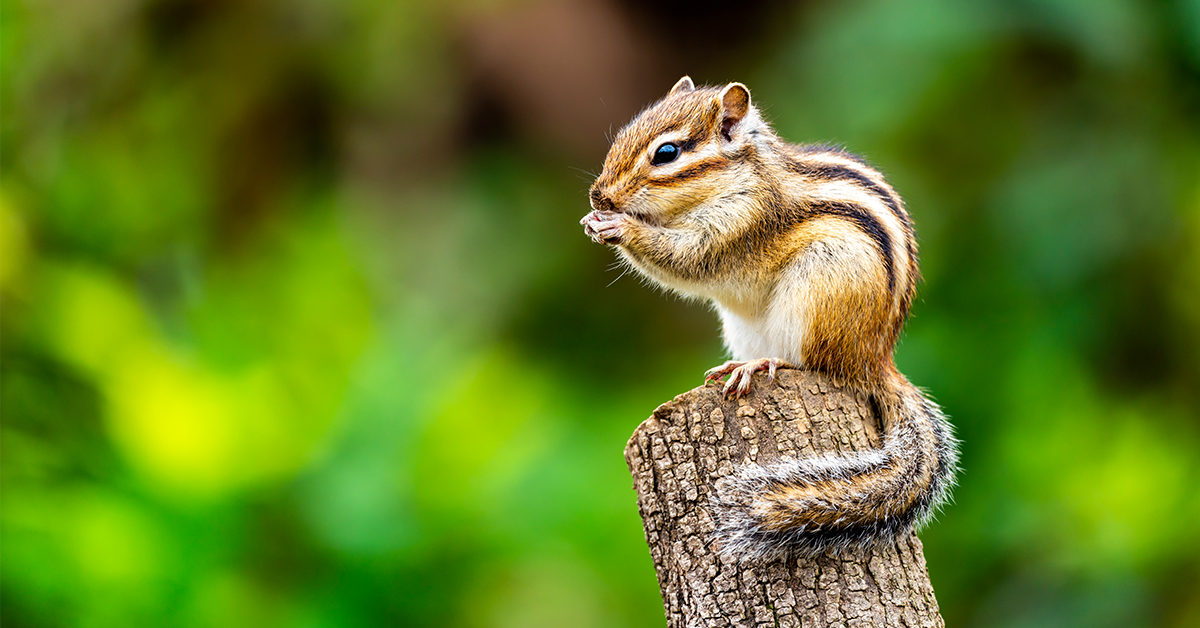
x: 682, y: 152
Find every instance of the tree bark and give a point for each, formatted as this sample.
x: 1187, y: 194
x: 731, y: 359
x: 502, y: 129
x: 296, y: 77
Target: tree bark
x: 678, y: 454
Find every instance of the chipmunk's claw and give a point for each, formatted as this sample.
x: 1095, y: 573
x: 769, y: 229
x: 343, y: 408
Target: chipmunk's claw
x: 741, y: 374
x: 716, y: 373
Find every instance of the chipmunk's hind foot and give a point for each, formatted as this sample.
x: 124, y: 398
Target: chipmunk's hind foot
x: 741, y: 373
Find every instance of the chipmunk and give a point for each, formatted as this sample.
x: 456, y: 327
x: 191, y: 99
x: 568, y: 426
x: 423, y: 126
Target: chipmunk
x: 810, y: 259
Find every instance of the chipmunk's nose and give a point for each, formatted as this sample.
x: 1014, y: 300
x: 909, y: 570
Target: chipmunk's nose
x: 601, y: 201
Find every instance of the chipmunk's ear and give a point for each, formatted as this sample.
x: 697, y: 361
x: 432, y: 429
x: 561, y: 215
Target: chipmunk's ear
x: 685, y: 84
x: 735, y: 104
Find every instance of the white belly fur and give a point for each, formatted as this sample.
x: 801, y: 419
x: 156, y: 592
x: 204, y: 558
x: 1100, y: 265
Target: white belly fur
x: 777, y: 333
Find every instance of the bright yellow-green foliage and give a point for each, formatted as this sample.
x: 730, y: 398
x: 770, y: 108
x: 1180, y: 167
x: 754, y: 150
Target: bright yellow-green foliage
x: 299, y: 328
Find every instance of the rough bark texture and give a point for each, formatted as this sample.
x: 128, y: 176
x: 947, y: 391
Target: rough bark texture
x: 678, y: 454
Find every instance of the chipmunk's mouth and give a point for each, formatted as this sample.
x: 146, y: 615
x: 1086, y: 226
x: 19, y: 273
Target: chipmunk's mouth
x: 602, y: 202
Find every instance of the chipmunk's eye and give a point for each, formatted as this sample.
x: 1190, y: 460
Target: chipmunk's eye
x: 665, y: 154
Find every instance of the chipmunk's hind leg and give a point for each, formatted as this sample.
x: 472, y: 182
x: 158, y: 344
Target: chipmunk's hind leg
x: 741, y: 373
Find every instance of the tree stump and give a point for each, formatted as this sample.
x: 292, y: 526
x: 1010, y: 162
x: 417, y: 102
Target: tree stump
x: 688, y: 444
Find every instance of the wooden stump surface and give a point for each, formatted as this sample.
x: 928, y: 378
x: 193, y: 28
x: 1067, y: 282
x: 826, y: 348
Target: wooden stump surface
x: 679, y: 453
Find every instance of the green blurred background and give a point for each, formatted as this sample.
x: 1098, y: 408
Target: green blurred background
x: 299, y: 327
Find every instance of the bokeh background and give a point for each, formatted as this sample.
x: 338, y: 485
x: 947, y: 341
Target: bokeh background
x: 299, y: 327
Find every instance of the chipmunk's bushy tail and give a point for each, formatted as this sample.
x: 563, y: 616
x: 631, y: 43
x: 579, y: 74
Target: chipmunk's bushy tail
x: 807, y: 506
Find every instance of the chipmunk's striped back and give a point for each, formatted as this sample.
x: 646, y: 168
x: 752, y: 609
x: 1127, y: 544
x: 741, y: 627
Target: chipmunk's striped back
x: 810, y: 258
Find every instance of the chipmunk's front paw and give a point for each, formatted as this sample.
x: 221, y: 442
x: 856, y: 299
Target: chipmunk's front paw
x: 605, y: 227
x: 741, y: 373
